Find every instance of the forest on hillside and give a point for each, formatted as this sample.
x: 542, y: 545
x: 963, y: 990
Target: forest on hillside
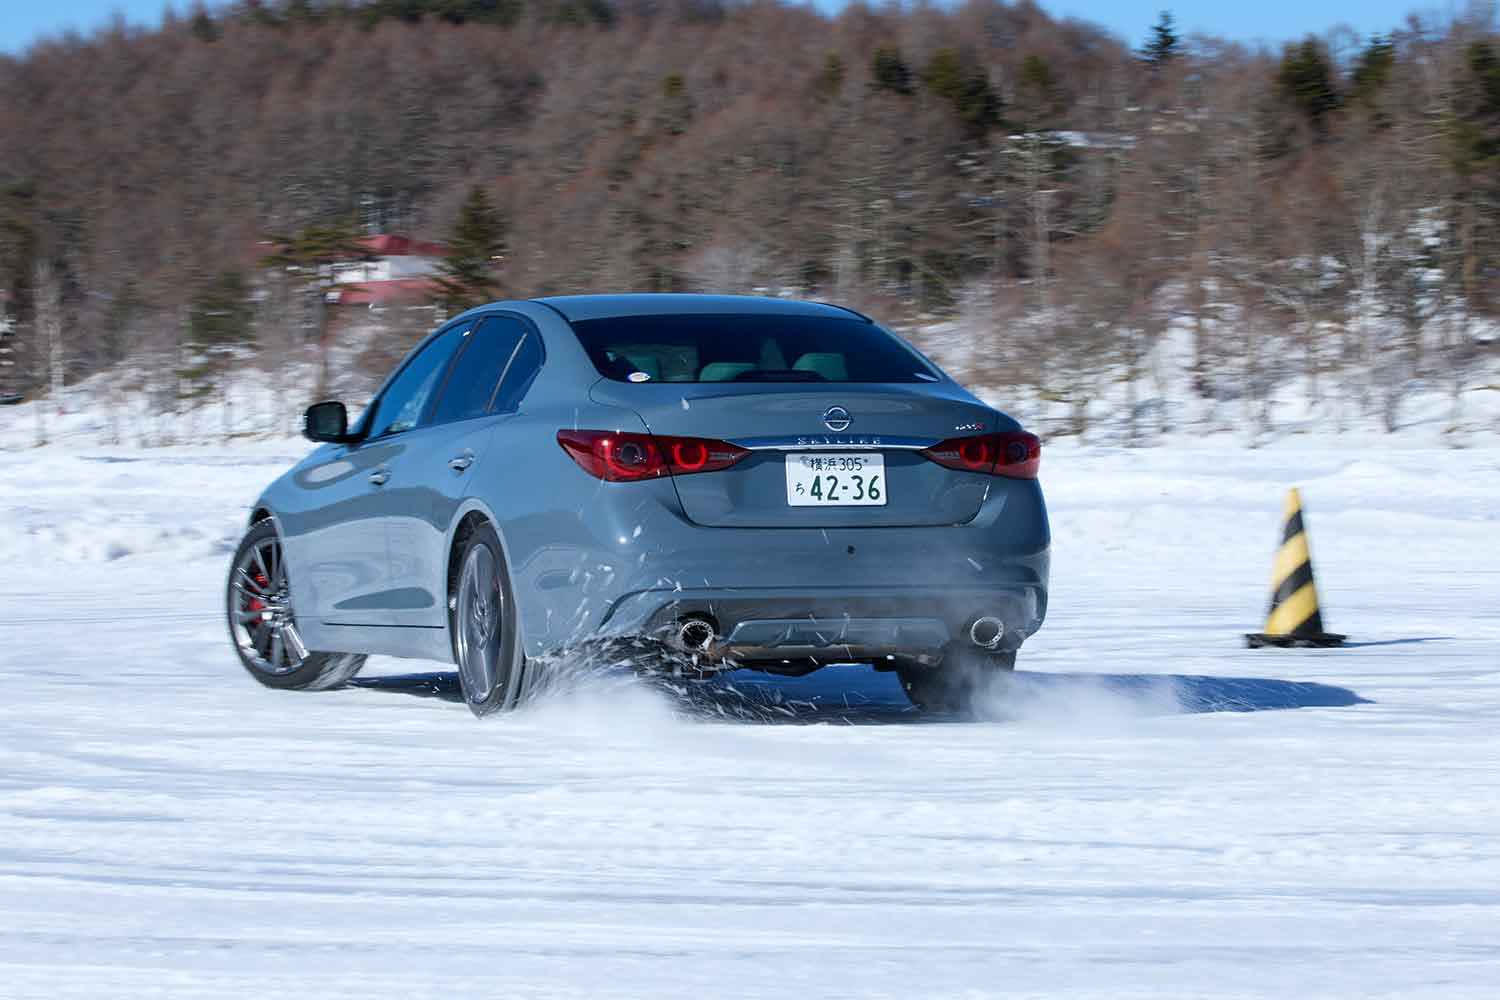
x: 1328, y: 211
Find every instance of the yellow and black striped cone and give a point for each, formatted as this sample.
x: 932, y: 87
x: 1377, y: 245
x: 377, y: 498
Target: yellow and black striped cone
x: 1295, y: 619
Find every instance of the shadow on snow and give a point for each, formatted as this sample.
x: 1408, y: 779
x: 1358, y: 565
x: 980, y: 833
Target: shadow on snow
x: 1350, y: 644
x: 858, y: 695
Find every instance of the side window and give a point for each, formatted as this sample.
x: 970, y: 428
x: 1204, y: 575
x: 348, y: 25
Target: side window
x: 404, y: 402
x: 519, y: 376
x: 481, y: 362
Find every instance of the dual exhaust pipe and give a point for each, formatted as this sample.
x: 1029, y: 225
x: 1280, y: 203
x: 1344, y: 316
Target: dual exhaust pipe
x: 697, y: 633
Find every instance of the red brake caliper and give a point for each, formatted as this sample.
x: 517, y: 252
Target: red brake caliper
x: 255, y: 603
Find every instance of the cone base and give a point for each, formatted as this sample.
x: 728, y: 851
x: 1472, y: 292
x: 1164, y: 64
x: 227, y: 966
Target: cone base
x: 1315, y: 640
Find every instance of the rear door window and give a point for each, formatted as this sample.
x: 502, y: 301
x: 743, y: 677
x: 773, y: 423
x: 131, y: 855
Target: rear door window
x: 748, y: 348
x: 487, y: 351
x: 523, y: 370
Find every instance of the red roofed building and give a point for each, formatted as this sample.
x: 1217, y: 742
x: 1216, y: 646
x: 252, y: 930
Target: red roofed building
x: 391, y: 292
x: 399, y: 271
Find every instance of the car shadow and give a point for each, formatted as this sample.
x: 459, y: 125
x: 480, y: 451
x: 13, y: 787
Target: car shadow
x: 856, y: 695
x: 436, y: 684
x: 1398, y: 642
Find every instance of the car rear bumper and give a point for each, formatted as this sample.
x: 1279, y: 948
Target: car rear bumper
x: 834, y: 624
x: 865, y: 592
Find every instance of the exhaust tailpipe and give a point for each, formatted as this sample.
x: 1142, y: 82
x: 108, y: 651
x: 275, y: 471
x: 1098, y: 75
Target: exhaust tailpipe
x: 696, y: 634
x: 987, y: 632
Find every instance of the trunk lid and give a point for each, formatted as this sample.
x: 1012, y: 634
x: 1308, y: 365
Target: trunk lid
x: 780, y: 421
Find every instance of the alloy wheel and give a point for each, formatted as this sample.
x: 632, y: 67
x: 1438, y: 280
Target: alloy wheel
x: 481, y: 622
x: 265, y: 626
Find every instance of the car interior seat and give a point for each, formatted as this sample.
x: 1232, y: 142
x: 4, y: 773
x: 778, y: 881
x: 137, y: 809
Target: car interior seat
x: 830, y: 366
x: 724, y: 371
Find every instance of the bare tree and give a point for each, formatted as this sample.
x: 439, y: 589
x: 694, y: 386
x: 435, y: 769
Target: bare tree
x: 727, y: 267
x: 8, y: 368
x: 51, y: 328
x: 1350, y: 253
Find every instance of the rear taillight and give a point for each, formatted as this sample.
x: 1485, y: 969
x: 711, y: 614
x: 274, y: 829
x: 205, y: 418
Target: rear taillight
x: 620, y: 456
x: 1014, y: 454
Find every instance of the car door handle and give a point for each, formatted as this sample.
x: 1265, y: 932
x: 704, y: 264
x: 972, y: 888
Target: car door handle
x: 379, y: 476
x: 461, y: 462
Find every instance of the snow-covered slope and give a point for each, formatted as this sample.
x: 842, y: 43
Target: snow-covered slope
x: 1150, y: 810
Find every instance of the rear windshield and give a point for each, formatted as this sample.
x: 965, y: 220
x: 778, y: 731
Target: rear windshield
x: 751, y: 348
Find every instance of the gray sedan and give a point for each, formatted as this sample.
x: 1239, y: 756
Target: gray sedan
x: 703, y: 482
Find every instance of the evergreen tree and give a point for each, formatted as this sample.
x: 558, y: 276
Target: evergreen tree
x: 830, y: 79
x: 204, y: 28
x: 467, y: 274
x: 967, y: 89
x: 219, y: 318
x: 1369, y: 77
x: 1373, y: 68
x: 220, y: 313
x: 1484, y: 65
x: 1306, y: 81
x: 1163, y: 43
x: 944, y: 74
x: 977, y: 105
x: 888, y: 71
x: 1474, y: 129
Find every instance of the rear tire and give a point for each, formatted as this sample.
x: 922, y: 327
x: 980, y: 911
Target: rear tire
x: 263, y: 625
x: 955, y: 685
x: 485, y: 627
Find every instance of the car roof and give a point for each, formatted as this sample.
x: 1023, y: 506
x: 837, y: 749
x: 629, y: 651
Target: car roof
x: 584, y: 307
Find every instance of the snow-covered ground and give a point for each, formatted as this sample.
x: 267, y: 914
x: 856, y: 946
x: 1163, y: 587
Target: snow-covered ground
x: 1150, y: 811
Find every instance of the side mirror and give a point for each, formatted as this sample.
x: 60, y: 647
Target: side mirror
x: 326, y: 422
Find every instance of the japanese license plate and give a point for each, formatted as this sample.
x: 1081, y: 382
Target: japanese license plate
x: 835, y: 479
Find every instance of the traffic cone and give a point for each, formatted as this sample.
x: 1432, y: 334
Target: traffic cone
x: 1294, y: 619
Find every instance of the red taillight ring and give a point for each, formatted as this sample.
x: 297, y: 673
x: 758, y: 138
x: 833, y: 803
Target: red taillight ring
x: 689, y: 456
x: 975, y: 453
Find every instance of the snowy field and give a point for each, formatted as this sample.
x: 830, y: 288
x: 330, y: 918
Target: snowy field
x: 1149, y: 811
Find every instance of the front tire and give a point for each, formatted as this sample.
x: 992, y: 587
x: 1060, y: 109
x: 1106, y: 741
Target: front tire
x: 484, y: 624
x: 263, y: 624
x: 965, y: 676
